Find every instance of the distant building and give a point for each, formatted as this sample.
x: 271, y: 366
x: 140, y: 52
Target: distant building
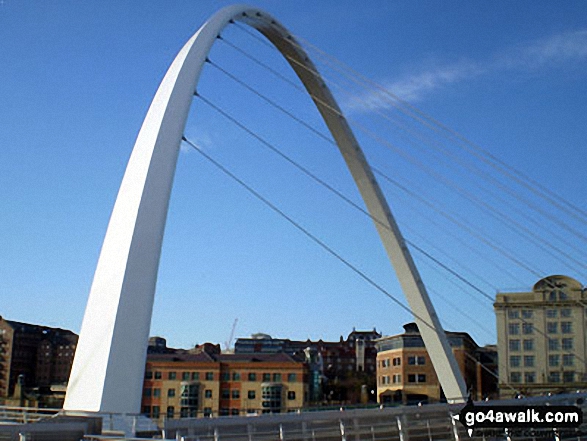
x: 339, y: 370
x: 203, y: 384
x: 541, y: 338
x: 41, y: 356
x: 405, y: 373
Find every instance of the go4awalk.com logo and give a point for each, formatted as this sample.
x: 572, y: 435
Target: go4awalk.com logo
x: 519, y: 417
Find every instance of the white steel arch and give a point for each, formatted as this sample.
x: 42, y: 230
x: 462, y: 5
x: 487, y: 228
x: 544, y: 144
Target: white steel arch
x: 108, y: 369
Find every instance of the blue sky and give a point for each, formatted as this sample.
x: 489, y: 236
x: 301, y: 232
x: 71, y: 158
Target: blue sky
x: 76, y: 79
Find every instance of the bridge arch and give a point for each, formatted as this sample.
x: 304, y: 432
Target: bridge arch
x: 108, y: 369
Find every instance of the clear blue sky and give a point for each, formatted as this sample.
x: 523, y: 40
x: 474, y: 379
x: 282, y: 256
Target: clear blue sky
x: 76, y: 79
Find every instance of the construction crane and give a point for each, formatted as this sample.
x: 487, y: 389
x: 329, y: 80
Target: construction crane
x: 228, y: 343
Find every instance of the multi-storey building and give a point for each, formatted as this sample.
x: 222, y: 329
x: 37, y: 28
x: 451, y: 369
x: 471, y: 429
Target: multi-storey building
x: 541, y: 338
x: 184, y: 385
x: 339, y: 370
x: 405, y: 373
x: 39, y: 355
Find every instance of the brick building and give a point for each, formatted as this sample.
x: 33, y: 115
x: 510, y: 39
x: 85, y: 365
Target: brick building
x: 40, y: 355
x: 189, y: 385
x: 405, y: 373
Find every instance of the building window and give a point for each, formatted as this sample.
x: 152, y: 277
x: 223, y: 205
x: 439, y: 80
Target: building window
x: 554, y: 360
x: 555, y: 377
x: 236, y: 394
x: 553, y: 344
x: 185, y: 376
x: 528, y: 345
x: 148, y: 374
x: 207, y: 411
x: 156, y: 392
x: 568, y: 377
x: 195, y: 376
x: 416, y: 378
x: 513, y: 314
x: 156, y: 412
x: 147, y: 410
x: 157, y: 375
x: 170, y: 392
x: 529, y: 377
x: 146, y: 392
x: 291, y: 394
x: 568, y: 360
x: 397, y: 378
x: 225, y: 394
x: 527, y: 328
x: 397, y: 361
x: 514, y: 361
x: 251, y: 395
x: 552, y: 327
x: 266, y: 377
x: 567, y: 344
x: 566, y: 312
x: 527, y: 313
x: 172, y: 375
x: 551, y: 313
x: 209, y: 376
x: 236, y: 376
x: 225, y: 376
x: 566, y: 327
x: 277, y: 378
x: 420, y: 360
x: 208, y: 393
x: 514, y: 345
x: 528, y: 361
x: 234, y: 412
x: 252, y: 376
x: 292, y: 378
x: 170, y: 412
x: 515, y: 377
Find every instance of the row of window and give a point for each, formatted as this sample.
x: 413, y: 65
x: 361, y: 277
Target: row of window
x: 554, y: 344
x: 184, y: 412
x: 225, y: 393
x: 156, y: 392
x: 553, y: 360
x: 397, y: 378
x: 551, y: 328
x: 397, y: 361
x: 529, y: 313
x: 553, y: 377
x: 226, y: 376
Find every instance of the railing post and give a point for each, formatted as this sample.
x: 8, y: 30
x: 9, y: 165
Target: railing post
x: 342, y: 431
x: 455, y: 429
x: 402, y: 435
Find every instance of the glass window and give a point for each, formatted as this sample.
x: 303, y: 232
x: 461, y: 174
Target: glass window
x: 527, y: 328
x: 513, y: 314
x: 208, y: 393
x: 515, y: 377
x: 291, y: 378
x: 225, y: 393
x: 148, y: 374
x: 185, y: 376
x: 195, y: 376
x: 528, y: 360
x: 397, y: 361
x: 528, y: 345
x: 555, y: 377
x: 421, y: 378
x: 252, y: 376
x: 170, y: 412
x: 291, y: 395
x: 568, y: 377
x: 552, y: 327
x: 266, y: 377
x: 529, y: 377
x: 568, y: 360
x: 566, y: 312
x: 147, y: 410
x: 397, y: 378
x: 514, y: 360
x: 236, y: 394
x: 554, y: 360
x: 277, y: 377
x: 251, y: 395
x: 411, y: 378
x: 170, y: 392
x: 567, y: 344
x: 172, y: 375
x: 514, y: 328
x: 527, y: 313
x: 567, y: 327
x: 225, y: 376
x: 156, y: 392
x: 551, y: 313
x: 207, y: 411
x: 209, y: 376
x: 147, y: 392
x: 236, y: 376
x: 157, y: 375
x: 234, y: 412
x: 553, y: 344
x: 514, y: 345
x: 156, y: 412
